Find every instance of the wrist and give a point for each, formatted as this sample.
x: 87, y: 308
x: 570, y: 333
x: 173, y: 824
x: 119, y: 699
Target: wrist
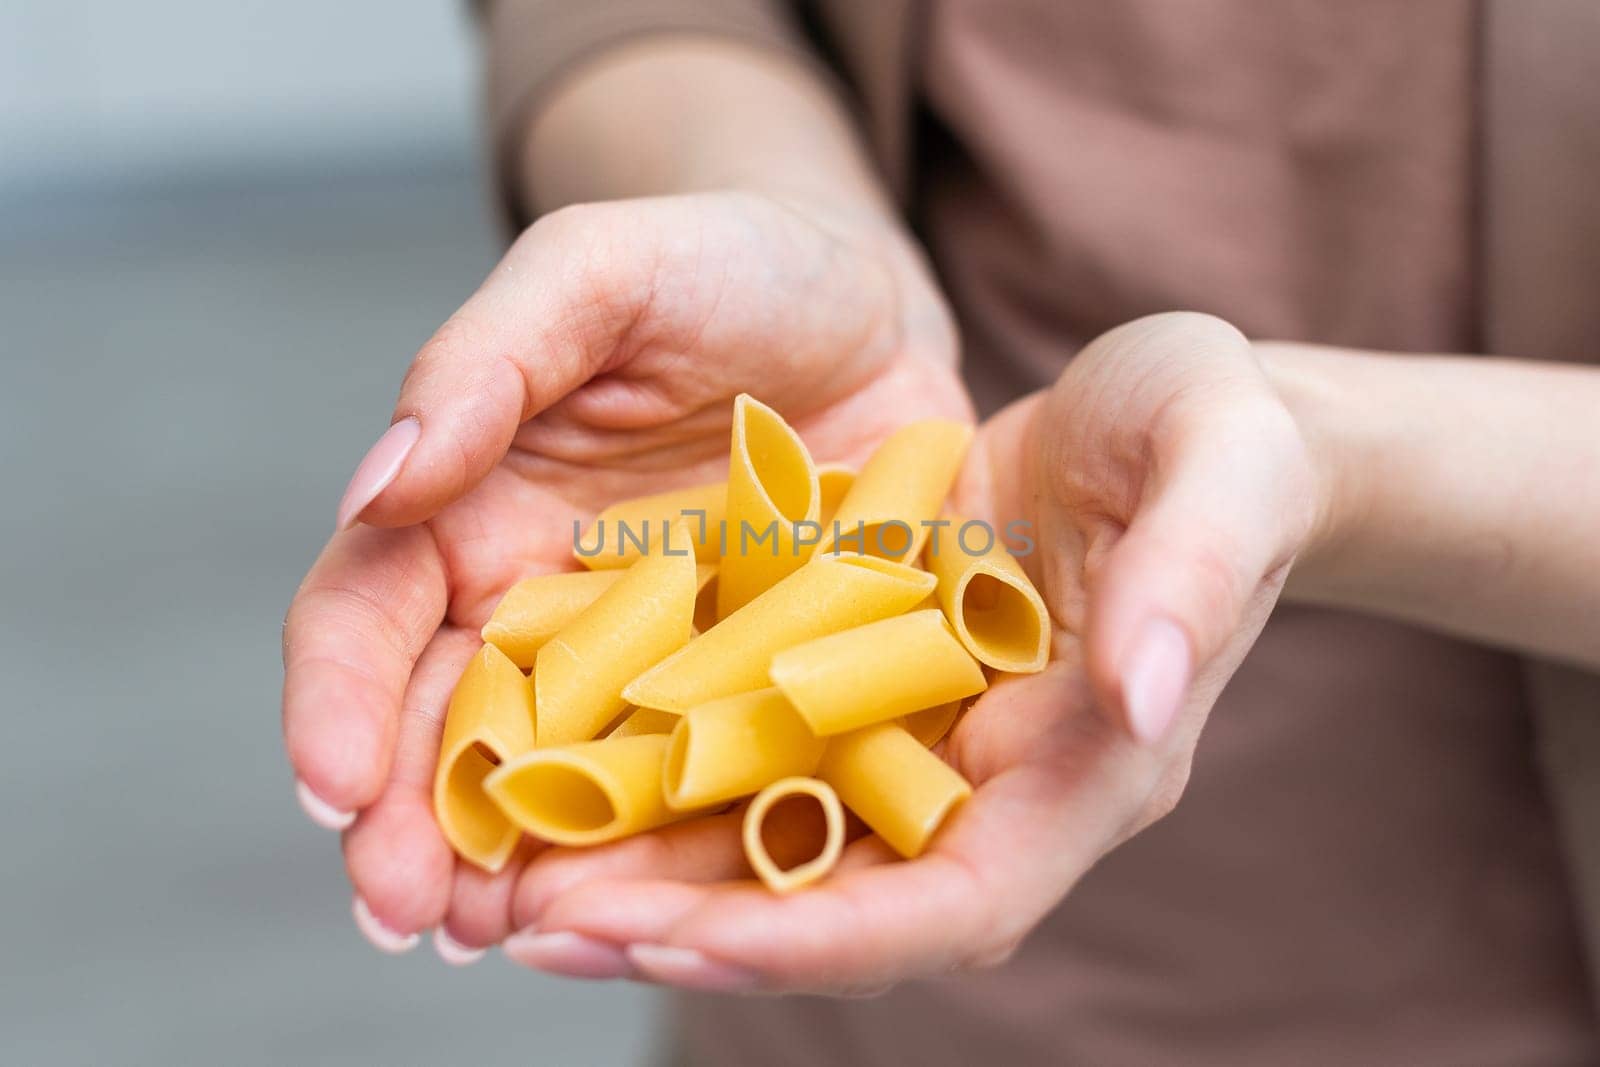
x: 1339, y: 429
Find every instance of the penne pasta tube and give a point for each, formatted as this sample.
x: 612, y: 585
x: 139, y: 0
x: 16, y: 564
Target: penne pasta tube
x: 489, y: 721
x: 829, y: 593
x: 734, y: 746
x: 772, y: 487
x: 644, y: 721
x: 587, y: 793
x: 535, y: 608
x: 995, y: 610
x: 793, y: 833
x: 630, y: 529
x: 833, y: 482
x: 930, y: 725
x: 901, y: 489
x: 579, y: 674
x: 896, y: 786
x: 876, y: 672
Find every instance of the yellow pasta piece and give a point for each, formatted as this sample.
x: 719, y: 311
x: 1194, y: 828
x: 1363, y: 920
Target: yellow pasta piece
x: 930, y: 725
x: 644, y: 721
x: 787, y: 846
x: 897, y: 787
x: 490, y: 720
x: 833, y: 482
x: 587, y: 793
x: 705, y: 602
x: 997, y: 613
x: 580, y: 672
x: 535, y: 608
x: 734, y: 746
x: 876, y: 672
x: 829, y: 593
x: 772, y: 487
x: 630, y: 529
x: 901, y: 488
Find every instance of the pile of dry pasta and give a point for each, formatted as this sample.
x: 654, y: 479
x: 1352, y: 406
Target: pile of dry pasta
x: 789, y: 635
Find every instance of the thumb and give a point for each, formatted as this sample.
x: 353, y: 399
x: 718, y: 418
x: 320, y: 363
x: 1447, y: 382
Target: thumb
x: 1182, y: 592
x: 537, y: 329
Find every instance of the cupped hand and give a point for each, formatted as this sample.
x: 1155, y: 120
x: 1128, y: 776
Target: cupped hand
x: 1169, y: 491
x: 597, y: 362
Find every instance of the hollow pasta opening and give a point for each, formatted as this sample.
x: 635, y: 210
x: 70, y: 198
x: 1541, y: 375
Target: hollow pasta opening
x: 779, y: 463
x: 473, y: 815
x: 1001, y: 618
x: 556, y: 795
x: 794, y: 831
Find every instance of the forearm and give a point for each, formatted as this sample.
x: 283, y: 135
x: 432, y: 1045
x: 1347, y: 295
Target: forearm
x: 1462, y: 493
x: 678, y: 114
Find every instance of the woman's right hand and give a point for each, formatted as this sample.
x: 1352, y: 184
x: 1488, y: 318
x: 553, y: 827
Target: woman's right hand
x: 598, y: 361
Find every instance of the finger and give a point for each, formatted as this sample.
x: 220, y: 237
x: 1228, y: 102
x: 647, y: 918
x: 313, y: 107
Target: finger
x: 549, y: 317
x: 704, y: 849
x: 398, y: 860
x: 480, y: 905
x: 370, y: 604
x: 1223, y: 505
x: 1005, y: 859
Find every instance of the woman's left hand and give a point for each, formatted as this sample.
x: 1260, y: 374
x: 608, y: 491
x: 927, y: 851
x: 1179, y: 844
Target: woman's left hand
x: 1169, y: 490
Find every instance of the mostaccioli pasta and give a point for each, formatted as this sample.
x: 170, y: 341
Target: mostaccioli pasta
x: 585, y: 794
x: 897, y: 787
x: 772, y: 509
x: 900, y: 491
x: 876, y: 672
x: 627, y: 531
x: 829, y: 594
x: 490, y: 720
x: 535, y: 609
x: 997, y: 613
x: 793, y: 833
x: 734, y: 746
x: 690, y: 667
x: 579, y: 674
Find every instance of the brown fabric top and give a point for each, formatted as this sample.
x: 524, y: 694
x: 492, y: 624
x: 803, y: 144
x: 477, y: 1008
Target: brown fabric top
x: 1364, y: 868
x: 1305, y: 172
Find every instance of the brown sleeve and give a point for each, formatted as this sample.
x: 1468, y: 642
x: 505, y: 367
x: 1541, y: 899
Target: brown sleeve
x: 531, y: 44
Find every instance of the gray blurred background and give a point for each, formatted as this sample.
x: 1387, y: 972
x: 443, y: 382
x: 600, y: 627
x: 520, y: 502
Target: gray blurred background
x: 224, y: 230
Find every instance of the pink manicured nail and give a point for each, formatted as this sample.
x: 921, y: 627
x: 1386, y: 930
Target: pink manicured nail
x: 378, y: 468
x: 383, y: 939
x: 690, y: 969
x: 1155, y: 677
x: 564, y: 952
x: 452, y: 951
x: 320, y: 811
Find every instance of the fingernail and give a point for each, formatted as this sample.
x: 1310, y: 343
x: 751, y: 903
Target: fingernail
x: 383, y: 939
x: 690, y: 969
x: 378, y: 468
x: 320, y: 811
x: 1155, y: 677
x: 567, y: 953
x: 452, y: 951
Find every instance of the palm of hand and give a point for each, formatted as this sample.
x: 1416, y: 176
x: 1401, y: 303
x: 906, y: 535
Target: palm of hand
x: 388, y: 617
x: 1059, y: 779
